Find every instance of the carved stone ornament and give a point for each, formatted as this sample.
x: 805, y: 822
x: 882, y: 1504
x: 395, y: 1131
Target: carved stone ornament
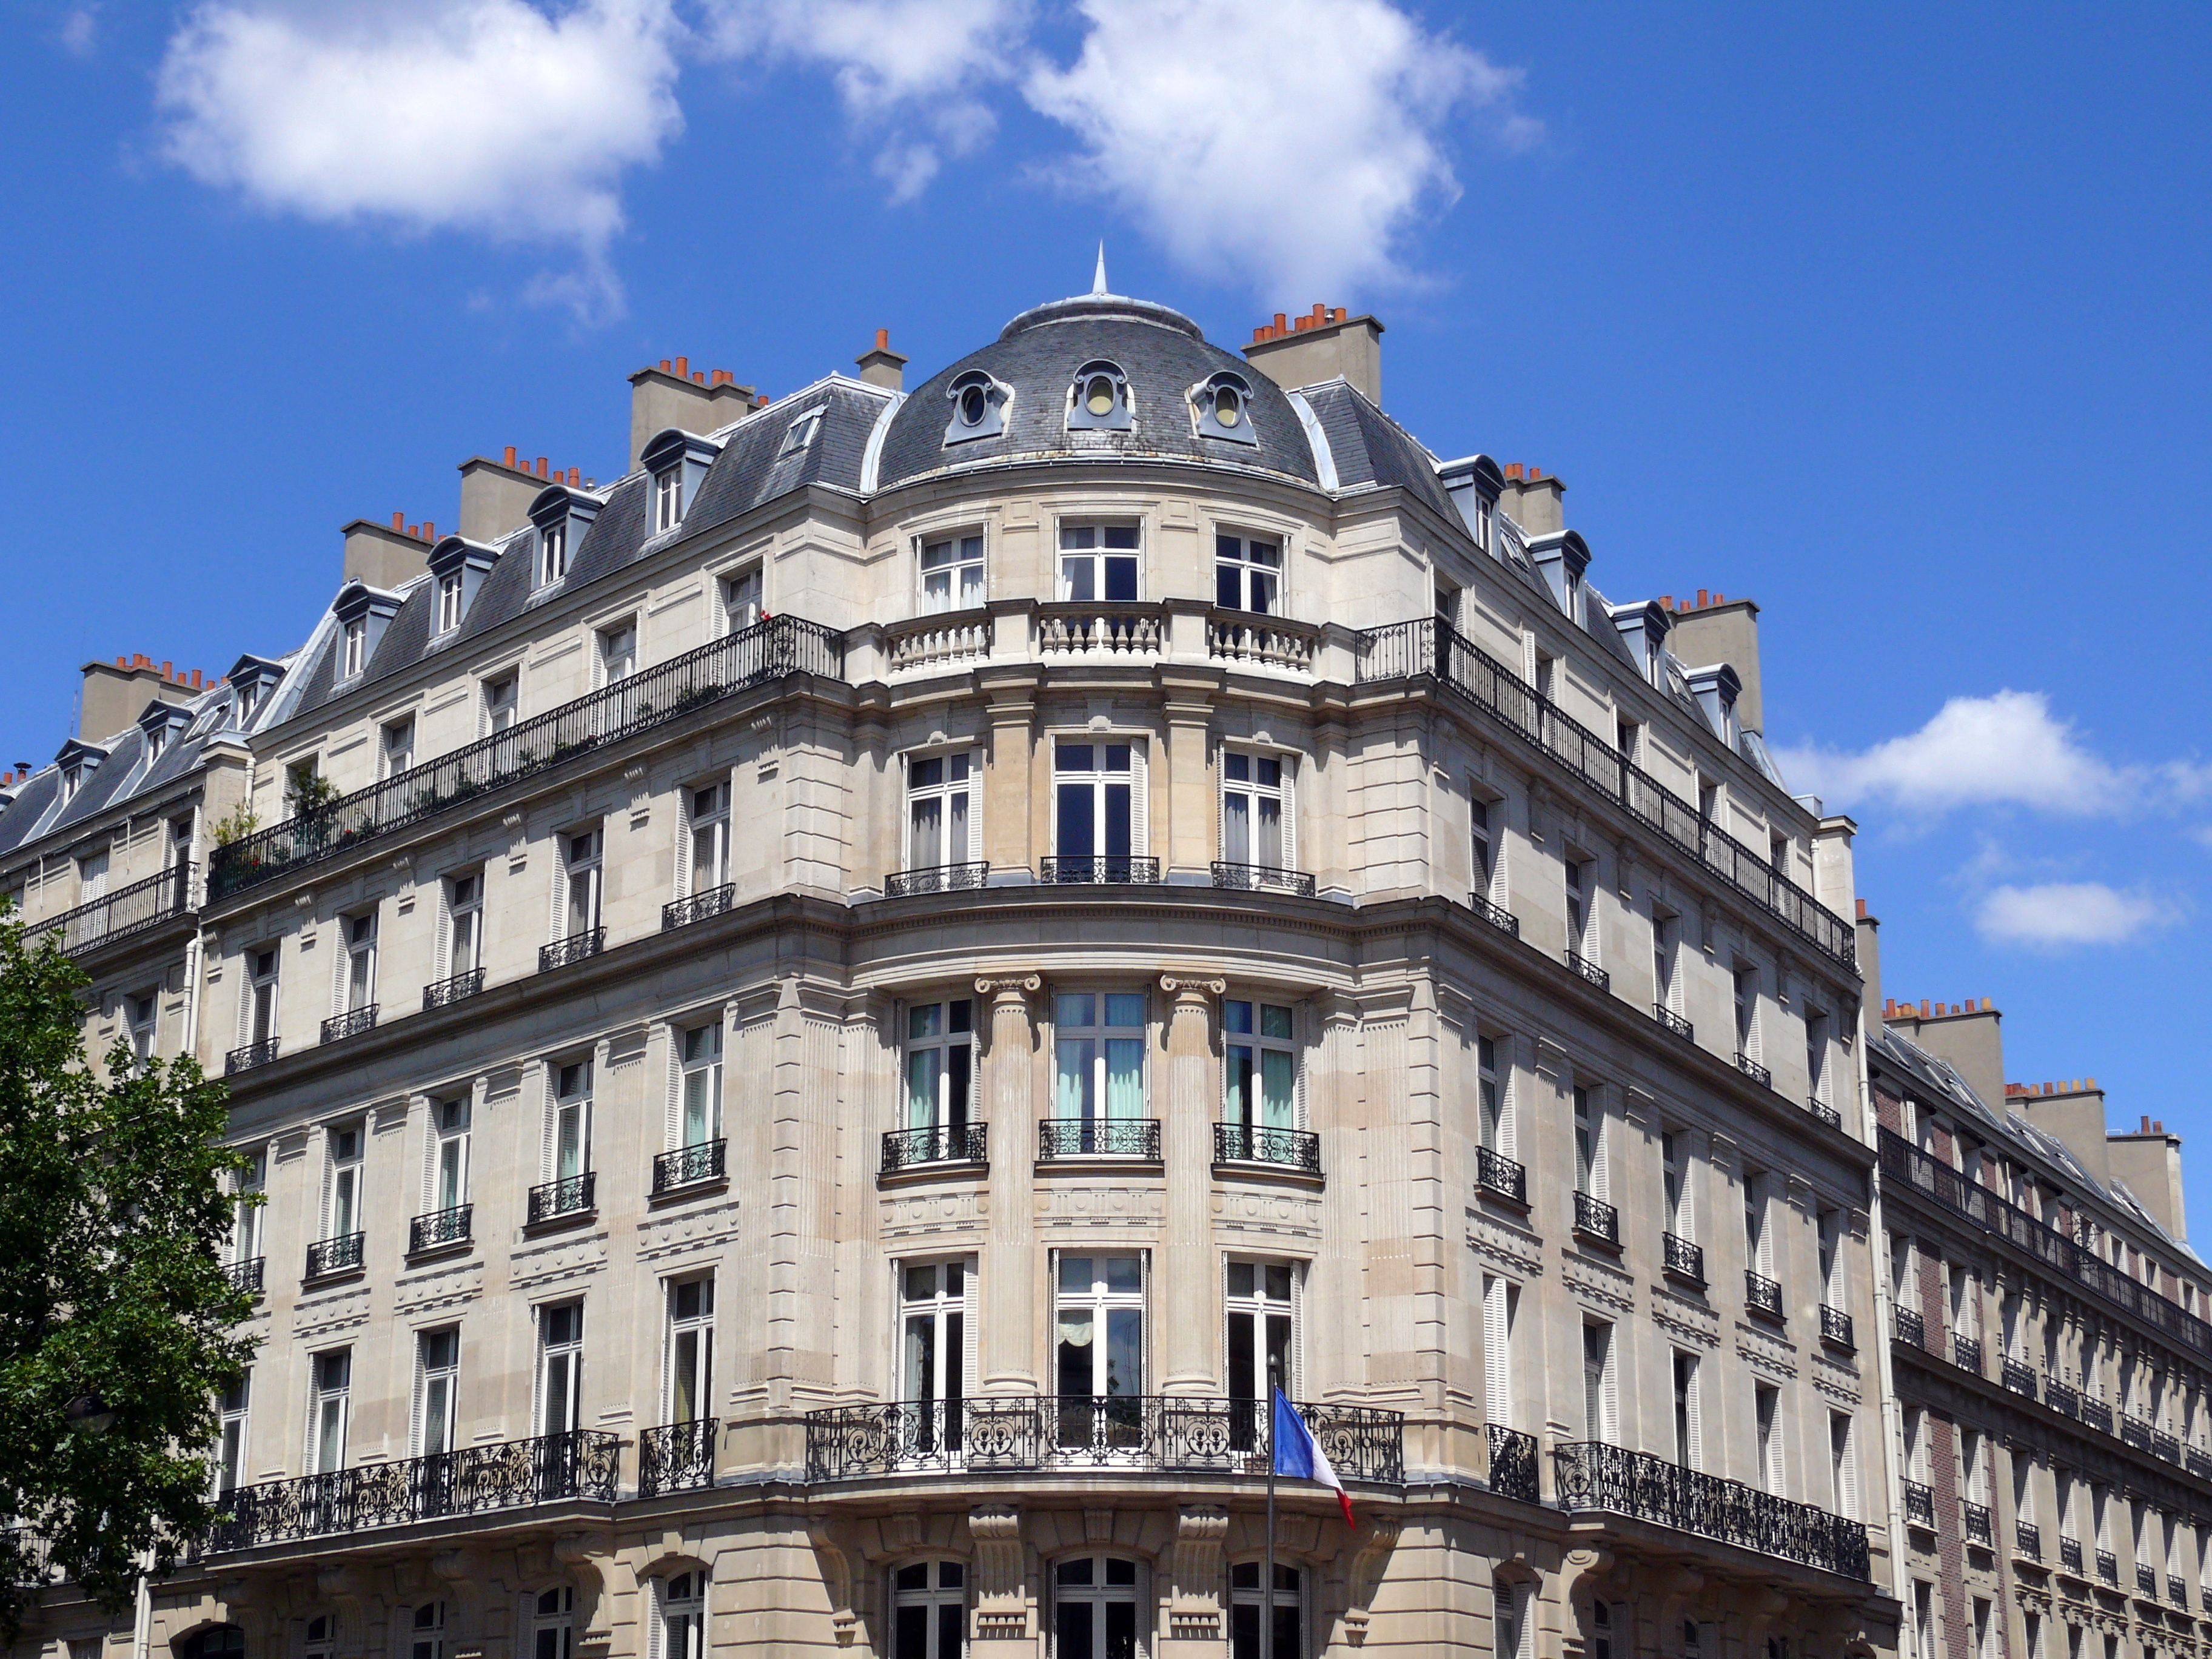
x: 1192, y: 990
x: 1008, y: 987
x: 1194, y: 1603
x: 1002, y: 1601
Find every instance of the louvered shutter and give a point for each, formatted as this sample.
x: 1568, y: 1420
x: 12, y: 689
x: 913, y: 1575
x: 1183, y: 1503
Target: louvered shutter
x: 1496, y: 1360
x: 431, y: 1136
x: 415, y: 1415
x: 330, y: 1180
x: 1848, y: 1470
x: 972, y: 851
x: 1140, y: 828
x: 1695, y: 1414
x: 1761, y: 1201
x: 970, y: 1311
x: 673, y: 1126
x: 549, y: 1158
x: 1509, y: 1138
x: 1290, y: 815
x: 341, y: 958
x: 1609, y: 1386
x: 656, y: 1618
x: 443, y: 966
x: 1600, y: 1149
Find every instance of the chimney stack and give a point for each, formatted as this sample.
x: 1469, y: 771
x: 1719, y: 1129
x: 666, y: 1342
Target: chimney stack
x: 665, y: 395
x: 1319, y: 346
x: 496, y: 496
x: 883, y: 367
x: 115, y: 694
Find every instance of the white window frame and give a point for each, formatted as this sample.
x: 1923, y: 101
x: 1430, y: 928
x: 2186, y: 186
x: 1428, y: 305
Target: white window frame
x: 1600, y: 1370
x: 1249, y: 1596
x: 552, y: 553
x: 1769, y: 1438
x: 1255, y: 566
x: 428, y: 1640
x: 1501, y: 1314
x: 559, y: 1405
x: 742, y: 592
x: 1099, y: 1595
x: 1105, y: 1035
x: 234, y: 1409
x: 553, y: 1623
x: 568, y: 1112
x: 244, y: 1215
x: 1269, y: 1028
x: 357, y: 966
x: 582, y: 887
x: 1266, y: 782
x: 396, y: 746
x: 1269, y: 1296
x: 940, y: 1589
x: 502, y: 699
x: 938, y: 1060
x: 258, y: 1009
x: 449, y: 601
x: 951, y: 572
x: 614, y: 651
x: 437, y: 1389
x: 1493, y: 1074
x: 330, y: 1409
x: 936, y: 1340
x: 1103, y: 777
x: 342, y: 1180
x: 1687, y: 1380
x: 445, y: 1167
x: 354, y: 646
x: 687, y: 1360
x: 667, y: 498
x: 697, y: 1051
x: 950, y: 799
x: 1085, y: 559
x: 1101, y: 1299
x: 706, y: 866
x: 464, y: 923
x: 1485, y: 844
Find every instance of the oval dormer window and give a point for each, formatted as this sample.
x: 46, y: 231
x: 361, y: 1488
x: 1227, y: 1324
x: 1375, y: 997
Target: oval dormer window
x: 1228, y: 406
x: 973, y: 406
x: 1221, y: 406
x: 979, y: 407
x: 1098, y: 398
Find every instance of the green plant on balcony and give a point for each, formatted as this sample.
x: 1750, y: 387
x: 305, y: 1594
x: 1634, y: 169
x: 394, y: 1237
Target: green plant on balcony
x: 241, y: 822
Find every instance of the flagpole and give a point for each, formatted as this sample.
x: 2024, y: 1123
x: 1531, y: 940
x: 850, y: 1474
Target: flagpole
x: 1267, y: 1571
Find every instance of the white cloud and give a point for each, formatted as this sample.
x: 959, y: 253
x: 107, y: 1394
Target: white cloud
x: 479, y: 115
x: 80, y: 30
x: 1291, y: 143
x: 2054, y: 915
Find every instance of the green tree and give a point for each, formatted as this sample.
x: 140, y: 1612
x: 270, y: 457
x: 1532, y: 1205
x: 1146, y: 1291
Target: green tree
x: 118, y: 1326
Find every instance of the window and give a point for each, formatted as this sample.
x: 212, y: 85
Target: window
x: 934, y: 1350
x: 941, y: 1054
x: 230, y: 1453
x: 741, y: 599
x: 356, y: 648
x: 1816, y: 1054
x: 1547, y: 677
x: 928, y: 1604
x: 1247, y: 575
x: 1689, y: 1431
x: 1492, y: 1096
x: 327, y: 1412
x: 1581, y: 934
x: 1983, y: 1648
x: 940, y: 821
x: 429, y: 1640
x: 449, y: 1155
x: 979, y: 407
x: 580, y: 856
x: 1223, y: 406
x: 1746, y: 1013
x: 617, y: 652
x: 1259, y: 1065
x: 1589, y: 1143
x: 1096, y: 831
x: 1666, y: 941
x: 321, y: 1639
x: 1843, y: 1467
x: 1286, y: 1608
x: 1098, y: 561
x: 1261, y: 1350
x: 399, y: 746
x: 449, y: 602
x: 667, y: 498
x: 1924, y: 1620
x: 700, y: 1096
x: 709, y: 810
x: 499, y: 702
x: 143, y: 1012
x: 1508, y: 1625
x: 1829, y: 1227
x: 1253, y: 824
x: 552, y: 554
x: 1095, y: 1608
x: 1675, y: 1182
x: 568, y: 1130
x: 360, y: 933
x: 342, y: 1182
x: 1099, y: 1043
x: 553, y: 1624
x: 681, y: 1629
x: 800, y: 434
x: 1600, y: 1412
x: 1501, y: 1309
x: 689, y: 1363
x: 560, y: 1367
x: 437, y: 1372
x: 464, y: 923
x: 1766, y: 1410
x: 246, y: 1212
x: 91, y: 878
x: 951, y: 575
x: 261, y: 995
x: 1098, y: 398
x: 1098, y: 1297
x: 1759, y: 1245
x: 1446, y: 601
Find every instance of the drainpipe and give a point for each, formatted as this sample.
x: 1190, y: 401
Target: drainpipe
x: 1885, y: 1311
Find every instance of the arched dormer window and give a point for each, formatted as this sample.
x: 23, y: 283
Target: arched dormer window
x: 160, y: 725
x: 979, y: 407
x: 76, y: 763
x: 1221, y: 405
x: 363, y: 613
x: 457, y: 568
x: 677, y: 462
x: 252, y: 681
x: 1098, y: 400
x: 560, y: 516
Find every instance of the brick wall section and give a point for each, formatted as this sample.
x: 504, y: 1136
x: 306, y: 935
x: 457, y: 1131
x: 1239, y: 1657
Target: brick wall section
x: 1950, y: 1536
x: 1889, y: 1112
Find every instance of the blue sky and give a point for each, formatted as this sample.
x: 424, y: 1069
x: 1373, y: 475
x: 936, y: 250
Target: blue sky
x: 1893, y: 321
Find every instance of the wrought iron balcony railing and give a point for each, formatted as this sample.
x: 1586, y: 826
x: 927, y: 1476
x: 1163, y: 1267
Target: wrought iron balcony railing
x: 2097, y: 1414
x: 442, y: 993
x: 509, y: 1475
x: 1496, y: 915
x: 1920, y: 1505
x: 677, y: 1457
x: 1097, y: 871
x: 1255, y: 1143
x: 1263, y: 878
x: 690, y: 1166
x: 1514, y: 1468
x: 1966, y: 1353
x: 2027, y: 1538
x: 2108, y: 1566
x: 2061, y: 1397
x: 577, y: 947
x: 1683, y: 1259
x: 341, y: 1254
x: 1762, y: 1294
x: 1674, y: 1022
x: 2198, y: 1463
x: 440, y: 1228
x: 246, y: 1275
x: 1752, y: 1069
x: 2165, y: 1446
x: 2019, y: 1378
x: 2176, y: 1591
x: 253, y: 1054
x: 1181, y: 1434
x: 1496, y: 1173
x: 1911, y: 1328
x: 1590, y: 970
x: 2135, y: 1431
x: 1978, y: 1528
x: 1077, y: 1137
x: 2069, y: 1553
x: 1596, y: 1218
x: 1836, y: 1327
x: 944, y: 1143
x: 1427, y: 645
x: 651, y: 698
x: 1595, y: 1476
x: 1827, y: 1114
x: 137, y: 908
x: 2146, y: 1580
x: 697, y: 907
x: 571, y: 1195
x: 352, y: 1023
x: 938, y: 878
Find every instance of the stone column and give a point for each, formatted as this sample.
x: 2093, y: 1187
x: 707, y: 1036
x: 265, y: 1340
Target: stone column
x: 1190, y: 1294
x: 1009, y: 814
x: 1187, y: 796
x: 1008, y: 1265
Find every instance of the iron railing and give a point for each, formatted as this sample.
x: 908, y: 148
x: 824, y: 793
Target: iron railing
x: 352, y: 1023
x: 2165, y: 1447
x: 1181, y: 1434
x: 1596, y: 1218
x: 335, y: 1256
x: 248, y: 1276
x: 944, y: 1143
x: 1683, y: 1259
x: 1827, y: 1114
x: 1592, y: 1475
x: 1674, y: 1022
x: 676, y: 1456
x: 1762, y: 1294
x: 1497, y: 1173
x: 1429, y: 646
x: 1590, y: 970
x: 1978, y: 1526
x: 1966, y: 1353
x: 1255, y: 1143
x: 2097, y: 1414
x: 2061, y: 1398
x: 651, y: 698
x: 1752, y: 1069
x: 2135, y: 1431
x: 1514, y: 1465
x: 2019, y: 1378
x: 509, y: 1475
x: 1920, y: 1503
x: 1836, y: 1327
x: 1262, y: 878
x: 1496, y: 915
x: 118, y: 915
x: 1106, y: 871
x: 253, y: 1054
x: 1911, y: 1328
x: 577, y: 947
x: 2108, y: 1566
x: 2198, y: 1463
x: 442, y: 992
x: 2146, y: 1580
x: 440, y: 1228
x: 2028, y: 1540
x: 688, y: 1166
x: 1104, y: 1137
x: 938, y: 878
x: 697, y: 907
x: 2176, y: 1591
x: 2069, y: 1553
x: 571, y: 1195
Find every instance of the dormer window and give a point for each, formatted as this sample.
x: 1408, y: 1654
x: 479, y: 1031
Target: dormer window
x: 1222, y: 405
x: 1099, y: 400
x: 800, y: 433
x: 449, y: 602
x: 249, y: 702
x: 552, y: 554
x: 356, y: 647
x: 458, y: 568
x: 363, y: 613
x: 979, y: 407
x: 76, y: 763
x: 667, y: 499
x: 677, y: 461
x: 1560, y: 558
x: 251, y: 678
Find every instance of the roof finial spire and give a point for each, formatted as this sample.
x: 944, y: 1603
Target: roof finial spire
x: 1098, y: 281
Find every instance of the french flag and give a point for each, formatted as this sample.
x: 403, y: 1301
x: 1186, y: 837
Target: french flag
x: 1297, y: 1453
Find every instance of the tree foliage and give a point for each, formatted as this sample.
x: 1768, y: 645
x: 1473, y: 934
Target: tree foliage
x: 113, y: 1216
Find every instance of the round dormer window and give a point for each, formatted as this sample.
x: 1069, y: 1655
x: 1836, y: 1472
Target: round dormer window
x: 1228, y: 406
x: 1098, y: 395
x: 973, y: 406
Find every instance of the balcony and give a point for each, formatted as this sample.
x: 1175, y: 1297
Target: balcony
x: 676, y: 1457
x: 1674, y: 1022
x: 1494, y: 1172
x: 1598, y: 1220
x: 2108, y: 1567
x: 510, y: 1474
x: 1684, y: 1260
x: 341, y: 1254
x: 1920, y: 1505
x: 2176, y: 1591
x: 1978, y: 1528
x: 1181, y: 1434
x: 1762, y: 1294
x: 1100, y: 871
x: 1496, y: 915
x: 651, y: 698
x: 2019, y: 1378
x: 1513, y: 1465
x: 1967, y: 1353
x: 2165, y: 1447
x: 2198, y: 1463
x: 2028, y: 1541
x: 1075, y: 1137
x: 1827, y: 1114
x: 253, y: 1054
x: 2097, y: 1414
x: 1595, y: 1476
x: 137, y: 908
x: 1911, y: 1328
x: 439, y: 1229
x: 1076, y: 629
x: 937, y: 878
x: 352, y: 1023
x: 1257, y: 640
x: 1836, y: 1327
x: 572, y: 1196
x: 2061, y: 1397
x: 2146, y: 1581
x: 1262, y: 878
x: 1752, y: 1069
x: 1255, y: 1143
x: 949, y: 1143
x: 697, y: 907
x: 577, y: 947
x: 1590, y: 970
x: 2070, y: 1554
x: 690, y: 1166
x: 446, y: 992
x: 246, y: 1275
x: 1428, y: 647
x: 2135, y: 1431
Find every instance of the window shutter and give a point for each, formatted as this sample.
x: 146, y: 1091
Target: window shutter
x: 330, y: 1178
x: 1609, y: 1386
x: 970, y: 1314
x: 1140, y: 828
x: 972, y: 851
x: 1509, y: 1138
x: 1849, y: 1462
x: 340, y: 960
x: 549, y: 1153
x: 1765, y: 1227
x: 428, y: 1110
x: 673, y: 1128
x: 655, y: 1617
x: 1296, y: 1386
x: 1496, y: 1362
x: 1290, y: 815
x: 443, y: 967
x: 1696, y: 1415
x: 415, y: 1416
x: 1221, y: 805
x: 1601, y: 1159
x: 245, y: 997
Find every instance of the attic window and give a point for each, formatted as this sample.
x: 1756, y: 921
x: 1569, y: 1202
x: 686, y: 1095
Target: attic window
x: 552, y: 554
x: 1222, y: 404
x: 449, y: 602
x: 1098, y: 398
x: 800, y: 433
x: 667, y: 498
x: 979, y: 407
x: 249, y: 699
x: 356, y: 647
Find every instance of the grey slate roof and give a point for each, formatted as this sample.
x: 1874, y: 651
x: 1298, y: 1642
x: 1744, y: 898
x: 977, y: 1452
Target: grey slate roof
x: 1371, y: 448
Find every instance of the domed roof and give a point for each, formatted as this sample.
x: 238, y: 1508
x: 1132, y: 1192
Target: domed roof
x: 1168, y: 382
